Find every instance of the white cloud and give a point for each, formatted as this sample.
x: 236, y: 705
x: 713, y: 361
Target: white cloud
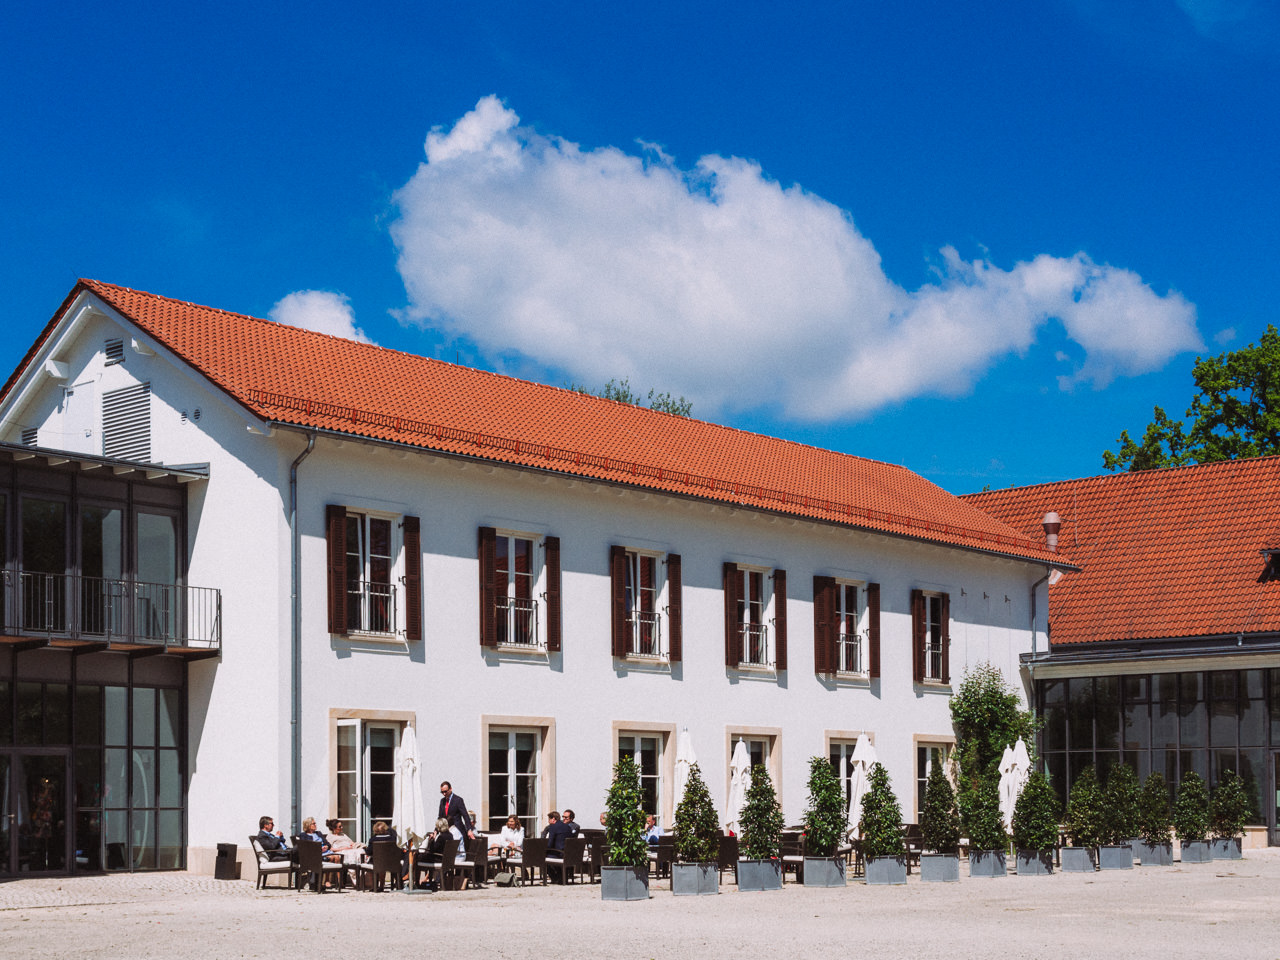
x: 1224, y: 336
x: 722, y: 285
x: 321, y: 311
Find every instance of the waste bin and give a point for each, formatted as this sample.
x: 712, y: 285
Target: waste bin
x: 226, y: 867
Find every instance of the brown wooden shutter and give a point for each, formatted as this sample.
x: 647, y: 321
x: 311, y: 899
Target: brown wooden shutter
x: 618, y: 600
x: 732, y: 625
x: 917, y: 636
x: 824, y: 603
x: 780, y: 619
x: 675, y: 610
x: 873, y: 629
x: 946, y: 638
x: 335, y: 526
x: 412, y: 579
x: 552, y: 545
x: 488, y: 587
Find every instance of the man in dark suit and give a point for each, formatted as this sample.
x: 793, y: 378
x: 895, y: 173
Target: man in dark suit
x: 454, y: 809
x: 274, y: 845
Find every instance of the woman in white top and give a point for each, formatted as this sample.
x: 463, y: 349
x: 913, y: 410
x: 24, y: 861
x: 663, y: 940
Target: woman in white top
x: 511, y: 839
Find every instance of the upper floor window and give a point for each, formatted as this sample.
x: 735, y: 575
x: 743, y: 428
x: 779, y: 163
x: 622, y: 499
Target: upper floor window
x: 755, y: 600
x: 644, y: 585
x: 846, y: 627
x: 519, y: 580
x: 931, y: 636
x: 370, y: 588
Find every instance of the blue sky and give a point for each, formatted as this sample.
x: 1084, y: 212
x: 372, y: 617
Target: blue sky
x: 975, y: 239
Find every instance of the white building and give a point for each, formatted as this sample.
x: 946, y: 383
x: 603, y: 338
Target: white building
x: 534, y: 579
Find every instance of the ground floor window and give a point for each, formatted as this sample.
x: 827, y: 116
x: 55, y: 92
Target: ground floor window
x: 514, y: 777
x: 366, y: 773
x: 764, y: 747
x: 646, y: 751
x: 928, y: 756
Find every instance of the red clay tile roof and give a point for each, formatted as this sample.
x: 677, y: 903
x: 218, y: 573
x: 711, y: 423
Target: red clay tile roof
x: 309, y: 379
x: 1166, y: 553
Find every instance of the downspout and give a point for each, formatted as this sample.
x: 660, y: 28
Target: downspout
x: 295, y: 648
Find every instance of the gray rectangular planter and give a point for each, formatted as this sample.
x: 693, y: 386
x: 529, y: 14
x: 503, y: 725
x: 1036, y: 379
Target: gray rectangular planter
x: 1079, y: 860
x: 939, y: 867
x: 987, y: 863
x: 1155, y: 854
x: 887, y: 871
x: 1035, y: 863
x: 624, y: 883
x: 759, y: 875
x: 695, y: 879
x: 1115, y: 857
x: 1229, y: 848
x: 1196, y: 851
x: 824, y: 871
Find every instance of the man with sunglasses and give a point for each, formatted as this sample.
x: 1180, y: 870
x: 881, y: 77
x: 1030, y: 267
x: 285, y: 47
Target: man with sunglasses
x: 274, y: 845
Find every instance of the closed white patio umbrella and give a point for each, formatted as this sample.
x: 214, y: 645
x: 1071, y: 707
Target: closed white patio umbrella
x: 1008, y: 787
x: 410, y: 814
x: 739, y: 780
x: 685, y: 759
x: 864, y: 757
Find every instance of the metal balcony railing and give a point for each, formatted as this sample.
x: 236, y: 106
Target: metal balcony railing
x: 933, y: 660
x: 755, y: 645
x: 645, y: 636
x: 73, y: 607
x: 518, y: 623
x: 371, y: 607
x: 849, y: 646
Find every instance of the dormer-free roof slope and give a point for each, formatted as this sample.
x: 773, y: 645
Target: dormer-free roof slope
x: 287, y: 375
x: 1166, y: 554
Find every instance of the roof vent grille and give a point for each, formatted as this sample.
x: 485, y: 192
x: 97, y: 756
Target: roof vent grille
x: 115, y: 351
x: 126, y: 423
x: 30, y: 435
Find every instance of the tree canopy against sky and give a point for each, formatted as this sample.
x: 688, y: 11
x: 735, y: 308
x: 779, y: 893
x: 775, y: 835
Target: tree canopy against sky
x: 1235, y: 413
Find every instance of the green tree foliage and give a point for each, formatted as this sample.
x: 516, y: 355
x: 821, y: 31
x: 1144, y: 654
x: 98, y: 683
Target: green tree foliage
x: 826, y: 819
x: 624, y: 817
x: 1228, y: 807
x: 1120, y: 806
x: 1235, y: 413
x: 761, y: 818
x: 940, y: 820
x: 987, y: 714
x: 621, y: 391
x: 980, y: 814
x: 1035, y: 815
x: 697, y: 826
x: 1154, y: 816
x: 1191, y: 809
x: 881, y: 822
x: 1084, y: 811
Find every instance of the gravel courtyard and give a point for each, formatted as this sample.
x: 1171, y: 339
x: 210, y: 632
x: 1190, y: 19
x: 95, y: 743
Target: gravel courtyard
x: 1211, y: 910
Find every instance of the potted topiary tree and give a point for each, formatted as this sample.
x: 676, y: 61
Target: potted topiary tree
x: 1191, y: 818
x: 1035, y: 826
x: 695, y: 872
x: 1155, y: 847
x: 761, y: 823
x: 825, y: 823
x: 1228, y: 811
x: 1083, y: 824
x: 988, y: 842
x: 881, y: 826
x: 940, y: 827
x: 1119, y: 819
x: 627, y: 875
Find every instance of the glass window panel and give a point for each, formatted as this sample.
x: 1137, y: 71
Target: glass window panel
x: 30, y: 729
x: 88, y: 777
x: 101, y: 540
x: 57, y: 714
x: 498, y: 753
x: 1053, y: 699
x: 144, y: 778
x: 1164, y: 686
x: 1192, y: 723
x: 1253, y: 683
x: 1139, y: 761
x: 1107, y: 717
x: 1223, y: 723
x: 1274, y: 710
x: 1080, y: 713
x: 144, y: 839
x: 1166, y: 762
x: 1164, y: 724
x: 1223, y: 685
x: 1137, y: 726
x: 1136, y: 689
x: 1196, y: 761
x: 115, y: 703
x: 1056, y: 764
x: 170, y: 716
x: 347, y: 750
x: 169, y: 840
x: 157, y: 548
x: 44, y: 536
x: 170, y: 792
x: 89, y: 841
x: 526, y: 753
x: 144, y: 716
x: 1253, y: 771
x: 1105, y: 761
x: 1077, y: 761
x: 6, y: 717
x: 1253, y: 723
x: 348, y: 796
x: 115, y: 836
x: 115, y: 780
x: 1190, y: 687
x: 88, y: 715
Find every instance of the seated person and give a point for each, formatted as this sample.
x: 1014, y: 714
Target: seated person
x: 339, y: 842
x: 274, y: 845
x: 383, y: 833
x: 437, y: 838
x: 567, y: 819
x: 556, y: 833
x: 651, y: 830
x: 511, y: 839
x: 309, y: 832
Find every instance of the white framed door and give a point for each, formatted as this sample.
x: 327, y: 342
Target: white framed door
x: 514, y: 778
x: 366, y: 774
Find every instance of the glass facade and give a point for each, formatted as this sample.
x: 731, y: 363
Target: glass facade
x: 1209, y: 722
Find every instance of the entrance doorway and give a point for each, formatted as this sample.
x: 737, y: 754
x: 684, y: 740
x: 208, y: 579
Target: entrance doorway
x: 34, y: 813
